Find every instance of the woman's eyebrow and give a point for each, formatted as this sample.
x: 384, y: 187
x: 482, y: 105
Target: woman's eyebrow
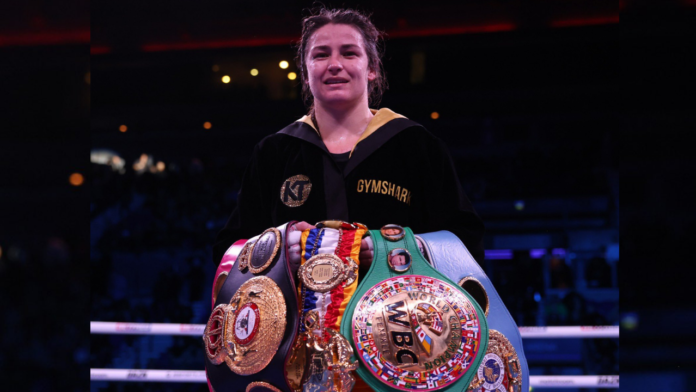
x: 343, y: 47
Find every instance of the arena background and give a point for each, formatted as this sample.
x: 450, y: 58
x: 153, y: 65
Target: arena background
x: 526, y: 96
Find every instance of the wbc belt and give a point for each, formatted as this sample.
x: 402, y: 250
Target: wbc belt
x: 504, y: 367
x: 411, y: 327
x: 254, y: 320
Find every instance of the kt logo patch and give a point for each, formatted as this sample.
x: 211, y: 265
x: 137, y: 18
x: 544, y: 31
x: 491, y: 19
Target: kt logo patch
x: 295, y: 190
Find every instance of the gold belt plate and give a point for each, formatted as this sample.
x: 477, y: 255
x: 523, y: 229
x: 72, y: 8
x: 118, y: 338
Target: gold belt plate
x: 500, y: 369
x: 415, y: 332
x: 247, y: 332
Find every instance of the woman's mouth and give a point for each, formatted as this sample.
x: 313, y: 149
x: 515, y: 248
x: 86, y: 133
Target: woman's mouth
x: 335, y: 81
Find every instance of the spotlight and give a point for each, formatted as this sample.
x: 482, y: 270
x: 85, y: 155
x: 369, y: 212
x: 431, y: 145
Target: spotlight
x: 434, y: 115
x: 207, y: 125
x: 283, y: 64
x: 123, y: 128
x: 254, y: 72
x: 225, y: 79
x: 292, y: 76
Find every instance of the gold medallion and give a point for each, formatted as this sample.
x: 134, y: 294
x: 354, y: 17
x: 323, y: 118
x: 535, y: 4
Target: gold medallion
x: 295, y: 190
x: 261, y: 386
x: 476, y: 289
x: 264, y: 251
x: 243, y: 258
x: 500, y: 369
x: 323, y: 272
x: 392, y: 232
x: 399, y: 259
x: 253, y: 331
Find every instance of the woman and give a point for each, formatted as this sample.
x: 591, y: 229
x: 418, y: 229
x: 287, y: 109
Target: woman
x: 345, y: 161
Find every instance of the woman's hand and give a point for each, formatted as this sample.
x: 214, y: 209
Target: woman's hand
x: 366, y: 252
x: 302, y: 226
x: 293, y: 239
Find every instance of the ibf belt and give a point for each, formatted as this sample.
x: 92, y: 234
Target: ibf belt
x: 254, y: 320
x: 328, y: 275
x: 411, y: 327
x: 505, y: 365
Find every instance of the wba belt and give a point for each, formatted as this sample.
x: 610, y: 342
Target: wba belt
x: 255, y: 318
x: 505, y: 366
x: 411, y: 327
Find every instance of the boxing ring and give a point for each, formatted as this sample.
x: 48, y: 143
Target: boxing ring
x: 198, y: 376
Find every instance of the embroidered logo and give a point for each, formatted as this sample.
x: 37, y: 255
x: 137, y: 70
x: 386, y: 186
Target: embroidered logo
x: 385, y: 188
x: 295, y: 190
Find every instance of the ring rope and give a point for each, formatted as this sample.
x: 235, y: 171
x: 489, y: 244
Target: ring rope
x: 117, y: 328
x: 198, y: 376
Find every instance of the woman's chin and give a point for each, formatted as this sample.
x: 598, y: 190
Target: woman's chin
x: 339, y: 99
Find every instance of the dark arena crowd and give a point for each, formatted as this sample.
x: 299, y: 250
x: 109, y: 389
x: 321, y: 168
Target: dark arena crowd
x: 173, y: 105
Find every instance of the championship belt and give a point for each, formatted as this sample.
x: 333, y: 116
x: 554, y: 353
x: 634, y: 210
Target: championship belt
x: 254, y: 321
x: 412, y: 327
x: 504, y: 367
x: 328, y: 278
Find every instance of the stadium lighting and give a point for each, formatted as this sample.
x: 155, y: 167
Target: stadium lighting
x: 76, y: 179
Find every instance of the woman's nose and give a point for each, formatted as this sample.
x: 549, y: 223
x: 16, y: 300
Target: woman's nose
x: 335, y: 65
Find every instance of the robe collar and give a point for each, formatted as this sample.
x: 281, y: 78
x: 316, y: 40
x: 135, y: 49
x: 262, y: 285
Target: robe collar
x: 384, y: 125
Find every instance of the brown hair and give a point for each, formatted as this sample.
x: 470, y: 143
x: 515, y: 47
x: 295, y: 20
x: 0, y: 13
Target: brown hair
x: 372, y: 40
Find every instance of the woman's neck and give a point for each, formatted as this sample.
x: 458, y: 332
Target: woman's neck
x: 341, y: 129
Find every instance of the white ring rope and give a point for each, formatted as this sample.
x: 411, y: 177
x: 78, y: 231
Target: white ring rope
x: 198, y: 376
x: 582, y: 331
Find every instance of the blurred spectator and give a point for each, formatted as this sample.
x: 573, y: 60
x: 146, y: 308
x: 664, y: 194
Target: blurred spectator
x: 598, y: 273
x: 561, y: 274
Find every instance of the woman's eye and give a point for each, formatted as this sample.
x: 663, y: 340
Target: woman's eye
x: 318, y: 55
x: 350, y: 54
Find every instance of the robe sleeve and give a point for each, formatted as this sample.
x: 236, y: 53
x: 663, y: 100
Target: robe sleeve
x: 252, y: 215
x: 447, y: 206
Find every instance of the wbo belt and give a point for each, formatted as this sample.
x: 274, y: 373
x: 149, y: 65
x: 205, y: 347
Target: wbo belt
x: 255, y: 317
x: 504, y: 367
x: 411, y: 327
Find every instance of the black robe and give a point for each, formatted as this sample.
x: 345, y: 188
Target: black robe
x: 398, y: 172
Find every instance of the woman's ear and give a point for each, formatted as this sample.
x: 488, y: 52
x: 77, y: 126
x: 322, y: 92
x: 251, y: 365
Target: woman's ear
x: 371, y: 75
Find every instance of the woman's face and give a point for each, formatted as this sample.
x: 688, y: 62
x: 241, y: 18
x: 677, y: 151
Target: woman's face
x: 337, y: 66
